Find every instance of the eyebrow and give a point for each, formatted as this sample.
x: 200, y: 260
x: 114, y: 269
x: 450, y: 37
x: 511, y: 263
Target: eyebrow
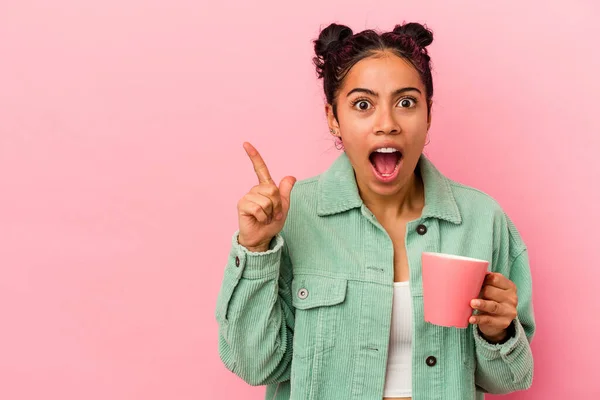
x: 375, y: 94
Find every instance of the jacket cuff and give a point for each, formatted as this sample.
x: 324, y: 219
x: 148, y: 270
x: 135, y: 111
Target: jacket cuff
x: 244, y: 263
x: 509, y: 350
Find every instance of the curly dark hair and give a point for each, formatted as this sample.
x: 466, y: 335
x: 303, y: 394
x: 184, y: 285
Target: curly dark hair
x: 337, y: 49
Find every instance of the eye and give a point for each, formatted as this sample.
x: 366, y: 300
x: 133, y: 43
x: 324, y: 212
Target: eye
x: 361, y: 104
x: 407, y: 102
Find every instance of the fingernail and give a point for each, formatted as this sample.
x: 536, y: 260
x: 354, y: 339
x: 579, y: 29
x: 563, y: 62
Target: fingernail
x: 472, y: 320
x: 279, y: 216
x: 476, y: 303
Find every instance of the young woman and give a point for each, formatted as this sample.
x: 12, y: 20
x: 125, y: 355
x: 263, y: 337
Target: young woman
x: 322, y: 292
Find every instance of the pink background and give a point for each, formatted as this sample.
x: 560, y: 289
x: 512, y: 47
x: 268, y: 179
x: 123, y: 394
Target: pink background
x: 121, y: 163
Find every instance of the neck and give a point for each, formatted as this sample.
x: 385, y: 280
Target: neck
x: 406, y: 203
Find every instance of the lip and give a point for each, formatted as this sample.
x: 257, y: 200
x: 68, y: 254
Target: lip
x: 394, y: 175
x: 386, y: 144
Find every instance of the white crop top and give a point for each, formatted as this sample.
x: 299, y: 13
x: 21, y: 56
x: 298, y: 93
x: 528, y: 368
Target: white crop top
x: 398, y: 379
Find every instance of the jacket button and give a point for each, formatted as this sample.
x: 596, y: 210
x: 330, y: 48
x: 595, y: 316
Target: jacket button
x: 421, y: 229
x: 303, y: 293
x: 237, y: 261
x: 431, y: 361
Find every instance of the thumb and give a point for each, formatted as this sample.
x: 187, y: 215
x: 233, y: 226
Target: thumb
x: 285, y: 188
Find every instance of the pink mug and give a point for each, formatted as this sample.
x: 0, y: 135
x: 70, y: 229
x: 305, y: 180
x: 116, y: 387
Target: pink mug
x: 450, y: 282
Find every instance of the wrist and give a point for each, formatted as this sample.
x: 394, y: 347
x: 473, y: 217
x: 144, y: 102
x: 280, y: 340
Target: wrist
x: 256, y: 248
x: 501, y: 337
x: 494, y: 339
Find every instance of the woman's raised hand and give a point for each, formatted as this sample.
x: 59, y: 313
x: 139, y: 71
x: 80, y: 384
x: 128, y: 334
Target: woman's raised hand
x: 263, y: 210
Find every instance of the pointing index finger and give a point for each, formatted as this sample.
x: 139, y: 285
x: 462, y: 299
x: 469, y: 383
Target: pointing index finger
x: 262, y: 172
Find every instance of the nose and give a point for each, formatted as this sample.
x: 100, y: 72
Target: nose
x: 386, y: 122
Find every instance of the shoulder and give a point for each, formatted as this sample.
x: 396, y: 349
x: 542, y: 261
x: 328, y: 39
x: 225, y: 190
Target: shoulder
x: 305, y: 191
x: 303, y: 200
x: 476, y: 205
x: 470, y: 199
x: 307, y: 185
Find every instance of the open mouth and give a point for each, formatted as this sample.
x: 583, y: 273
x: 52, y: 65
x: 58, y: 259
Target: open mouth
x: 385, y: 162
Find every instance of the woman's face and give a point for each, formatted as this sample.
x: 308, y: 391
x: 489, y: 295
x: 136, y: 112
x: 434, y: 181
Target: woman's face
x: 383, y: 122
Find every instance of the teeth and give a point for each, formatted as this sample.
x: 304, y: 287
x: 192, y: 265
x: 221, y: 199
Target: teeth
x: 386, y: 150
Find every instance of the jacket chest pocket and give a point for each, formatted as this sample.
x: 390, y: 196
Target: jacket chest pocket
x: 317, y: 300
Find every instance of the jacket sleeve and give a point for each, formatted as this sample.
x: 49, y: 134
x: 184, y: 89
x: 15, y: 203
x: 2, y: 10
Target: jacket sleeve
x: 508, y: 367
x: 255, y: 315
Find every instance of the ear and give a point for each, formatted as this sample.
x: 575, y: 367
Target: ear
x: 331, y: 121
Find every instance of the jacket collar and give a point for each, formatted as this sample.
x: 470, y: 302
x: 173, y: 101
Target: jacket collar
x: 338, y: 191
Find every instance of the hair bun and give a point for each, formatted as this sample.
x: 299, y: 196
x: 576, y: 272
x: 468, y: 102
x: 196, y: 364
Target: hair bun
x: 331, y: 38
x: 419, y: 33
